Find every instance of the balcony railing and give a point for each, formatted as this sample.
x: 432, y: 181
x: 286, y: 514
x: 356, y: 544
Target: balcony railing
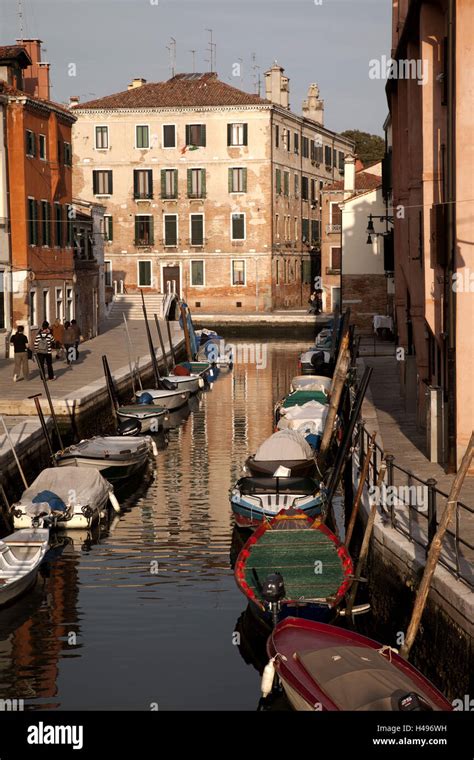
x: 333, y: 228
x: 142, y: 241
x: 143, y: 196
x: 196, y: 196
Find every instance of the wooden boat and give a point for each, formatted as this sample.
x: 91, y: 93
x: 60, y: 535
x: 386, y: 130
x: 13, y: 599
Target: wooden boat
x: 322, y: 667
x: 254, y: 499
x: 21, y: 554
x: 285, y: 448
x: 149, y: 416
x: 64, y: 497
x: 294, y: 566
x: 115, y: 459
x: 310, y: 383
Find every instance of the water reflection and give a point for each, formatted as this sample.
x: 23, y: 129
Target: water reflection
x: 144, y: 610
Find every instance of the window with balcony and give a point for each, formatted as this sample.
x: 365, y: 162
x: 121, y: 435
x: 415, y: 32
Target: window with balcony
x: 237, y: 134
x: 238, y: 227
x: 196, y: 229
x: 102, y: 182
x: 143, y: 184
x: 142, y: 136
x: 238, y: 180
x: 196, y: 135
x: 102, y: 138
x: 196, y: 183
x: 143, y: 229
x: 170, y: 229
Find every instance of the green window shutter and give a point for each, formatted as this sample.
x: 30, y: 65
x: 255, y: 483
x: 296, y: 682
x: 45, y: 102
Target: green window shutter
x: 203, y: 183
x: 229, y: 180
x: 244, y: 180
x: 136, y: 228
x: 111, y: 184
x: 175, y: 183
x: 94, y: 183
x: 286, y: 177
x: 163, y: 183
x: 245, y: 134
x: 36, y: 216
x: 229, y: 134
x: 152, y: 237
x: 135, y: 183
x: 111, y: 228
x: 203, y: 135
x: 188, y: 134
x: 150, y: 183
x: 189, y: 181
x: 278, y: 181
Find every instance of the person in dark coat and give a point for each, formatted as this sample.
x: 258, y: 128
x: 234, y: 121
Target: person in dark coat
x: 43, y: 347
x: 20, y: 346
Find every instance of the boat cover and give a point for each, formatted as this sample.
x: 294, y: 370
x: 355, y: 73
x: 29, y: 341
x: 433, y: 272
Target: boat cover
x: 309, y: 418
x: 310, y: 383
x: 300, y: 397
x: 285, y: 445
x: 308, y: 355
x: 112, y: 446
x: 71, y: 486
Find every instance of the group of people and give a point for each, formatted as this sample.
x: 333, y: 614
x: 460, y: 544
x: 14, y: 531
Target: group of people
x: 64, y: 339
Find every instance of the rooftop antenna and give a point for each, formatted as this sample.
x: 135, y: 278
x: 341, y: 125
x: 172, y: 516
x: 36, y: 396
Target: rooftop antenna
x: 171, y: 48
x: 193, y: 52
x: 212, y: 50
x: 256, y: 74
x: 20, y: 19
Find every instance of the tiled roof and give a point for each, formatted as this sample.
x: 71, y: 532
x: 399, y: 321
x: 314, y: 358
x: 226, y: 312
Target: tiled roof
x: 8, y: 89
x: 8, y: 52
x: 363, y: 181
x: 182, y: 90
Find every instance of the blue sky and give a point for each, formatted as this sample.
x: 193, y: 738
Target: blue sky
x: 112, y: 41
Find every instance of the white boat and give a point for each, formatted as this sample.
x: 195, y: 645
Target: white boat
x: 115, y: 458
x: 308, y: 419
x: 149, y: 416
x: 168, y: 399
x: 311, y: 383
x: 285, y: 448
x: 63, y: 498
x: 21, y: 554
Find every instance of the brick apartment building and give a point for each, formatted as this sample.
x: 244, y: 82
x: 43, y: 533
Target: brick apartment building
x: 208, y: 189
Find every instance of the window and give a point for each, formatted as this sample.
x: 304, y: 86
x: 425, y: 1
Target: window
x: 334, y: 158
x: 108, y: 274
x: 305, y: 230
x: 287, y: 227
x: 170, y: 222
x: 296, y: 143
x: 67, y: 154
x: 169, y: 136
x: 238, y: 272
x: 315, y: 231
x: 169, y: 183
x: 277, y: 136
x: 304, y: 188
x: 327, y: 156
x: 45, y: 223
x: 335, y: 297
x: 71, y: 215
x: 2, y: 299
x: 238, y: 227
x: 196, y: 229
x: 336, y: 258
x: 335, y: 214
x: 277, y: 226
x: 142, y: 136
x: 102, y: 183
x: 297, y: 186
x: 108, y: 228
x: 237, y: 134
x: 278, y: 181
x: 196, y: 135
x: 30, y: 143
x: 58, y: 224
x: 46, y: 304
x: 32, y: 222
x: 144, y: 274
x: 32, y: 307
x: 143, y: 229
x: 305, y: 147
x: 277, y: 272
x: 142, y: 183
x: 58, y: 303
x: 319, y: 153
x: 288, y: 140
x: 286, y: 183
x: 102, y: 138
x: 197, y: 274
x: 196, y: 183
x: 341, y: 160
x: 296, y: 228
x: 42, y: 147
x: 238, y: 180
x: 313, y: 190
x: 69, y: 305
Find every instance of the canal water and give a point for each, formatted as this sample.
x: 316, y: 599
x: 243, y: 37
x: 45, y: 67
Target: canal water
x: 145, y: 613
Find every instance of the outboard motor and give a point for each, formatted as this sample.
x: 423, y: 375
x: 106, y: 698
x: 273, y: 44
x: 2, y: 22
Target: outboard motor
x: 129, y: 427
x: 413, y: 702
x: 168, y: 385
x: 273, y: 591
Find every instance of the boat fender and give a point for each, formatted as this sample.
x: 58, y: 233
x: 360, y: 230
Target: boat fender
x: 268, y: 677
x: 154, y: 448
x: 114, y: 501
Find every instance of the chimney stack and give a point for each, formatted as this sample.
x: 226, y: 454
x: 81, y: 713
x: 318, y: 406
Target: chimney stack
x: 313, y: 107
x: 137, y: 82
x: 277, y: 86
x: 349, y: 176
x: 73, y: 101
x: 36, y: 76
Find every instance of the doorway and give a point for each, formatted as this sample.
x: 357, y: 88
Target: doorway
x: 171, y: 279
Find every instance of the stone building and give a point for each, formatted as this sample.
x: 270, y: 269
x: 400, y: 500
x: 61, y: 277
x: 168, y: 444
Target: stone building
x: 89, y: 272
x: 209, y: 190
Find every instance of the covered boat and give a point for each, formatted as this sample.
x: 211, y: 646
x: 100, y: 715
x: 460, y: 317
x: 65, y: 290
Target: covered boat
x: 316, y: 362
x: 187, y: 382
x: 294, y: 566
x: 64, y: 497
x: 299, y: 398
x: 254, y: 499
x: 21, y: 554
x: 308, y: 419
x: 323, y: 339
x: 311, y: 383
x: 285, y: 448
x: 115, y: 458
x: 149, y: 416
x: 322, y: 667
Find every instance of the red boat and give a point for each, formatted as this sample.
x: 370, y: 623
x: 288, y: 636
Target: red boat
x: 322, y: 667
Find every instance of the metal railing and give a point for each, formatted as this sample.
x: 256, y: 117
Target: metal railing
x: 410, y: 503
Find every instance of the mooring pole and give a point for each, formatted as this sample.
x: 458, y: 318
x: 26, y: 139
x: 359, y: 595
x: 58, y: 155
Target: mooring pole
x: 160, y: 336
x: 14, y: 453
x: 154, y: 363
x: 39, y: 411
x: 363, y: 476
x: 435, y: 550
x: 170, y: 341
x: 48, y: 396
x: 129, y: 351
x: 186, y: 333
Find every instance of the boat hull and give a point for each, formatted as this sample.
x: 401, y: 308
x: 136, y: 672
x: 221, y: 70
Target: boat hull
x: 111, y: 471
x: 251, y: 516
x: 77, y: 520
x: 150, y: 420
x: 21, y: 555
x: 170, y: 400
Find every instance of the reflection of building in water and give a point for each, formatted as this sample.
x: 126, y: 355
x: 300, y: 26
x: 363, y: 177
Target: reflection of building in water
x: 38, y: 643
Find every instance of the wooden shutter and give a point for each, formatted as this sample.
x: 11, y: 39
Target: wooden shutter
x: 203, y: 183
x: 244, y: 180
x: 229, y: 134
x: 229, y: 180
x: 163, y: 183
x: 111, y: 185
x: 94, y: 182
x: 278, y: 181
x: 188, y: 134
x: 189, y: 181
x: 203, y: 135
x: 150, y: 183
x: 136, y: 228
x: 245, y: 134
x: 151, y: 228
x: 135, y: 183
x: 175, y: 189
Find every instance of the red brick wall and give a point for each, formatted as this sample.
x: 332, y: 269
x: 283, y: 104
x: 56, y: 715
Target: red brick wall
x: 369, y: 292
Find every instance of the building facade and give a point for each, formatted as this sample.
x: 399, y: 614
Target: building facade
x: 208, y: 190
x: 432, y: 124
x: 89, y: 272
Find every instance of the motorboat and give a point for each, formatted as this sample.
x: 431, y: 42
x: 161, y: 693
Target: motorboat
x: 115, y: 459
x: 21, y: 554
x: 285, y: 448
x: 254, y: 499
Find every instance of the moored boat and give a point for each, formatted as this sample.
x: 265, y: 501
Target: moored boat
x: 173, y: 398
x: 285, y: 448
x: 307, y: 419
x: 150, y: 416
x: 21, y: 554
x: 310, y: 383
x: 294, y: 566
x: 322, y: 667
x: 114, y: 458
x: 254, y: 499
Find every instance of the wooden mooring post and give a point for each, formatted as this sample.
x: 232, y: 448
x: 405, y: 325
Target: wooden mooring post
x: 362, y: 478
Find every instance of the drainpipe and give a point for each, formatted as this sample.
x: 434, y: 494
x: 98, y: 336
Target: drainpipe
x: 272, y: 223
x: 450, y: 295
x: 8, y: 224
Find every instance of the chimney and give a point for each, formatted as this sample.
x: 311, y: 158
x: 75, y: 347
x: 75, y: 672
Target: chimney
x: 349, y: 176
x: 73, y: 101
x: 277, y: 86
x: 36, y: 76
x: 137, y: 82
x: 313, y: 107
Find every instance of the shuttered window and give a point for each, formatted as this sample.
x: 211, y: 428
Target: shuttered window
x: 286, y: 183
x: 101, y: 138
x: 102, y: 183
x: 142, y: 183
x: 304, y: 188
x: 171, y: 229
x: 196, y: 135
x: 305, y: 230
x: 278, y: 181
x: 327, y: 155
x: 169, y: 136
x: 169, y: 183
x: 197, y: 229
x: 196, y: 183
x: 143, y: 230
x: 197, y: 273
x: 237, y: 134
x: 336, y: 258
x: 32, y: 222
x: 30, y: 143
x: 45, y: 223
x: 144, y: 274
x: 142, y: 136
x: 58, y: 235
x: 238, y: 226
x: 238, y: 180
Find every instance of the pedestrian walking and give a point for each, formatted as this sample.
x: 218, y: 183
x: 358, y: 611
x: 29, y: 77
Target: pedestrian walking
x: 77, y: 336
x: 58, y: 337
x: 20, y: 346
x: 43, y: 346
x: 69, y: 341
